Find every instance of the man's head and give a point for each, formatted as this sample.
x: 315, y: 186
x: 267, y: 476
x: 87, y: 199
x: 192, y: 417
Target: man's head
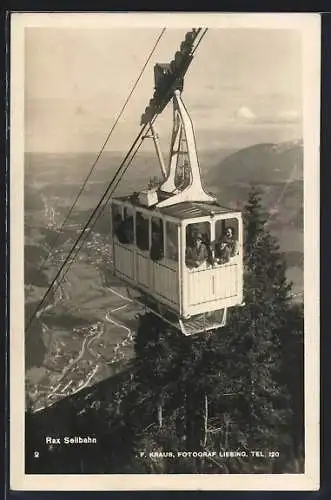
x: 198, y: 239
x: 229, y: 232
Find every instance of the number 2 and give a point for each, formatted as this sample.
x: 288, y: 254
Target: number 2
x: 36, y: 454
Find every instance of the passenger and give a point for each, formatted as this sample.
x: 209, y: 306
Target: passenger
x: 196, y: 254
x: 226, y: 247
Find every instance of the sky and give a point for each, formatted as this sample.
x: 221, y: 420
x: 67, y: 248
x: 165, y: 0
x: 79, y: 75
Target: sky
x: 242, y: 88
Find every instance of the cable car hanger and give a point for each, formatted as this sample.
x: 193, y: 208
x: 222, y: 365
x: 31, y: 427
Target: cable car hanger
x: 172, y: 75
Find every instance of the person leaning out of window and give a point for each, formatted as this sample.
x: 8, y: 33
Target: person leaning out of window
x: 226, y: 247
x: 197, y: 253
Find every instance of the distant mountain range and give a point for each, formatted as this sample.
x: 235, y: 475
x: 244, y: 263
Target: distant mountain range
x: 260, y: 164
x: 278, y: 168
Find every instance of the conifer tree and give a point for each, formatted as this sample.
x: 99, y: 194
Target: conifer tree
x: 155, y: 348
x: 257, y: 329
x: 232, y: 388
x: 292, y: 375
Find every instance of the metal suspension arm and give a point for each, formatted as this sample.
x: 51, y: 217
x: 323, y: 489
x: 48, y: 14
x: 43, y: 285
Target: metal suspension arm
x: 158, y: 151
x: 194, y: 191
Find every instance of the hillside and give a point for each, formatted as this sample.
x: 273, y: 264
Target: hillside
x: 260, y: 164
x: 276, y: 168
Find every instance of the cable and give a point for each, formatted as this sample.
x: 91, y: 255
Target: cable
x: 202, y: 36
x: 102, y: 208
x: 102, y: 149
x: 82, y: 234
x: 106, y: 196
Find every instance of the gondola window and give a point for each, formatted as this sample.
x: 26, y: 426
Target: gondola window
x: 157, y: 252
x: 171, y: 241
x: 142, y: 231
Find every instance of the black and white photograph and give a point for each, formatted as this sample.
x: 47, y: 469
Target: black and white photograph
x: 164, y: 177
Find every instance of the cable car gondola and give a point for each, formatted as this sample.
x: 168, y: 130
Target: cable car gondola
x: 178, y: 250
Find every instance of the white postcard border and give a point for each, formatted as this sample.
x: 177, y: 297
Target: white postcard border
x: 309, y: 24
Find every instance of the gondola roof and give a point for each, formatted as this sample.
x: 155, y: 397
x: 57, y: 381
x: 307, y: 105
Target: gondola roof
x: 185, y: 210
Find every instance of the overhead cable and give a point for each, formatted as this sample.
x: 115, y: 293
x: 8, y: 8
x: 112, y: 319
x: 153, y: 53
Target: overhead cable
x: 99, y: 208
x: 42, y: 266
